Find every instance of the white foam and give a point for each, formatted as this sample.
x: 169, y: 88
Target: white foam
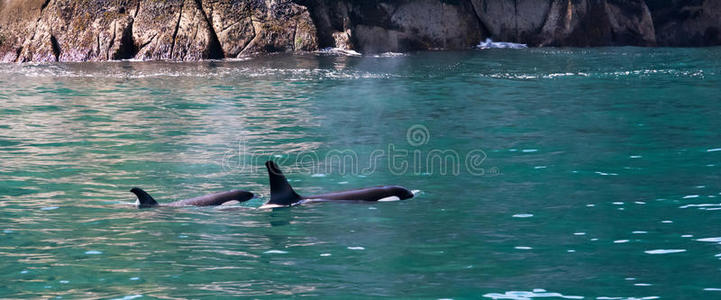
x: 710, y: 240
x: 524, y: 295
x: 523, y: 215
x: 356, y: 248
x: 664, y: 251
x: 620, y: 241
x: 606, y: 174
x: 713, y: 150
x: 490, y: 44
x: 275, y: 252
x: 701, y: 205
x: 690, y: 196
x: 523, y: 248
x: 129, y: 297
x: 389, y: 54
x: 338, y: 51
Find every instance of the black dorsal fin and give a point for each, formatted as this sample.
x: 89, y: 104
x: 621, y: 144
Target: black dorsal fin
x: 144, y: 198
x: 281, y: 193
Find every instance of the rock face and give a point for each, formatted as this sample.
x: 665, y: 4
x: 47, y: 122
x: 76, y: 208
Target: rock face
x: 97, y: 30
x: 596, y: 23
x: 380, y: 26
x: 687, y: 23
x: 376, y: 26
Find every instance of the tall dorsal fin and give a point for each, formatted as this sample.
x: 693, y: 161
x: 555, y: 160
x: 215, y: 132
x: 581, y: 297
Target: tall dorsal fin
x: 144, y: 199
x: 281, y: 193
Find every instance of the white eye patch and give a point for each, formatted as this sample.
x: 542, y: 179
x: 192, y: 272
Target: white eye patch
x: 388, y: 199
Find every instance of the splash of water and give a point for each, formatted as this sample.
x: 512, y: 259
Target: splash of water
x: 490, y: 44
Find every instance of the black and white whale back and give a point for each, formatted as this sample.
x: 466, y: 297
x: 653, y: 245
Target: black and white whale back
x: 220, y: 198
x: 282, y: 194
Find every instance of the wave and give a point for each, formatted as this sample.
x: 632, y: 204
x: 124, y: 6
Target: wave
x: 490, y: 44
x: 338, y: 51
x: 141, y: 70
x: 640, y: 74
x: 389, y: 54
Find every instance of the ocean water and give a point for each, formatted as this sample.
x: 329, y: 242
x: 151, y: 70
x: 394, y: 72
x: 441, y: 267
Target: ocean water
x: 539, y: 173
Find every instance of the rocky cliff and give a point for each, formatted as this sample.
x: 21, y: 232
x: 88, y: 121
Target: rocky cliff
x: 96, y: 30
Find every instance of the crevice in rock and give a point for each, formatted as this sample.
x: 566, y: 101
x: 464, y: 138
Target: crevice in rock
x: 177, y: 27
x: 150, y: 40
x: 55, y: 46
x: 137, y: 9
x: 295, y: 36
x: 229, y: 25
x: 484, y: 30
x: 127, y: 48
x: 214, y: 50
x: 516, y: 36
x: 112, y: 40
x: 45, y: 4
x: 319, y: 13
x: 251, y: 41
x: 18, y: 52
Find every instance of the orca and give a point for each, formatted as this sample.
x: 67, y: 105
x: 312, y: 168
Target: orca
x: 282, y: 194
x: 147, y: 201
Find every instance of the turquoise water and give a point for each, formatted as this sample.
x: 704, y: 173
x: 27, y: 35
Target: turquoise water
x: 580, y: 173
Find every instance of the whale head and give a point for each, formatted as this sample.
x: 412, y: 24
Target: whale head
x: 401, y: 192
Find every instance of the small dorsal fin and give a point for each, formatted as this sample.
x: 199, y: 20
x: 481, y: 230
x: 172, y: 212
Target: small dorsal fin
x: 281, y: 193
x: 145, y: 200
